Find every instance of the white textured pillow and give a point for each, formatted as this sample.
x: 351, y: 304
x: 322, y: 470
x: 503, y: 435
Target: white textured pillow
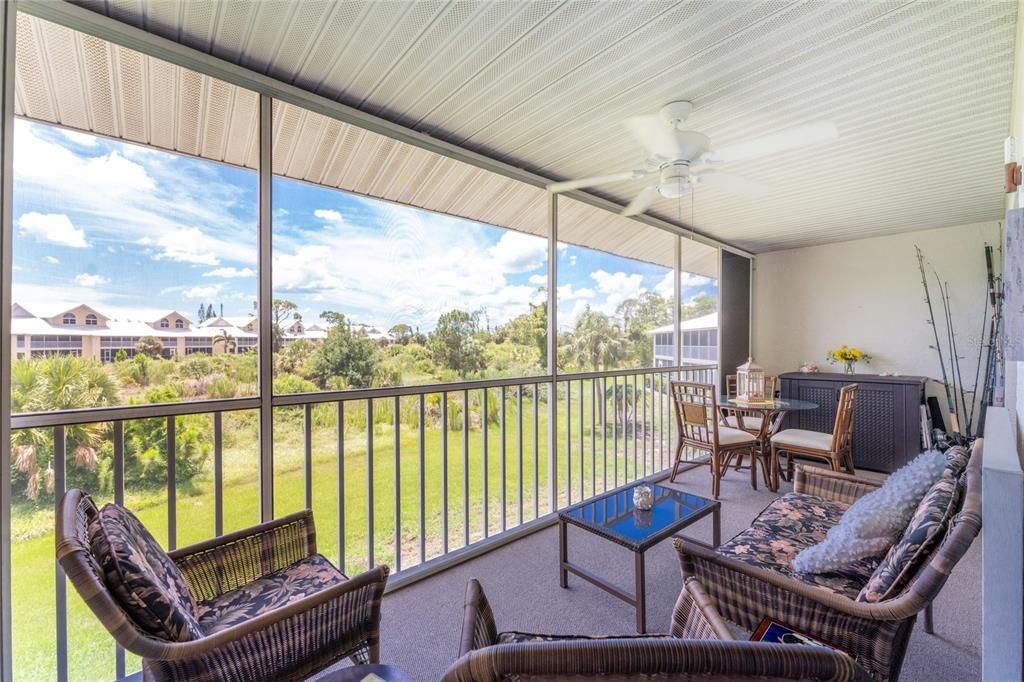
x: 875, y: 521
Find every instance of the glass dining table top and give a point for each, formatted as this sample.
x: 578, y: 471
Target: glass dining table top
x: 777, y: 405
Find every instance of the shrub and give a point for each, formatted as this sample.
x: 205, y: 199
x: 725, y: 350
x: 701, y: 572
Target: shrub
x: 291, y: 383
x: 222, y: 387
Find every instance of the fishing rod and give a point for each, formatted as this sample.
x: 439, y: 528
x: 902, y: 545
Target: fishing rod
x: 995, y: 300
x: 981, y: 352
x: 958, y: 375
x: 938, y: 344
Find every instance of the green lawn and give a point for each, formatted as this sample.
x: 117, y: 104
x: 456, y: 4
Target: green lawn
x: 91, y: 650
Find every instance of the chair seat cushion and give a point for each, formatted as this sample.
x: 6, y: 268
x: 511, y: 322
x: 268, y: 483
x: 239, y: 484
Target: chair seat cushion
x: 300, y: 580
x: 728, y: 436
x: 788, y: 525
x: 802, y: 438
x: 751, y: 422
x: 142, y: 578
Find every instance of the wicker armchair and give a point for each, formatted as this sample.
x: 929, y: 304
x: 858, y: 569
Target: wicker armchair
x: 876, y: 633
x: 289, y: 642
x: 699, y: 647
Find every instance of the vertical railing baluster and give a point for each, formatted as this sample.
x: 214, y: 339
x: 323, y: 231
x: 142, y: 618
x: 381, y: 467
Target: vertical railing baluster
x: 661, y: 421
x: 536, y: 451
x: 604, y: 434
x: 519, y: 447
x: 398, y: 483
x: 444, y: 470
x: 485, y: 428
x: 340, y: 431
x: 118, y: 436
x: 583, y: 493
x: 568, y: 442
x: 615, y: 432
x: 307, y: 451
x: 218, y: 474
x: 465, y: 468
x: 172, y: 485
x: 59, y: 486
x: 593, y: 437
x: 625, y: 429
x: 369, y: 482
x: 504, y: 464
x: 423, y: 479
x: 643, y: 400
x: 635, y: 429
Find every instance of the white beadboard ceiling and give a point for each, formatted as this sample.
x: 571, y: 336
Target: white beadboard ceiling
x: 920, y: 92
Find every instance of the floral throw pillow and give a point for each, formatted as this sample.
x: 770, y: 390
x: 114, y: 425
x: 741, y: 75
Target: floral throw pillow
x: 143, y: 579
x: 924, y: 532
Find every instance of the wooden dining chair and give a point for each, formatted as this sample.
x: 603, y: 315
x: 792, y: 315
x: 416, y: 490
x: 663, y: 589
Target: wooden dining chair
x: 751, y: 421
x: 697, y: 416
x: 835, y: 449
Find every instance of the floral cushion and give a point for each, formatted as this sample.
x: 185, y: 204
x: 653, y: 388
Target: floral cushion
x: 143, y: 579
x: 300, y: 580
x: 788, y: 525
x: 957, y: 457
x: 514, y: 637
x: 925, y: 530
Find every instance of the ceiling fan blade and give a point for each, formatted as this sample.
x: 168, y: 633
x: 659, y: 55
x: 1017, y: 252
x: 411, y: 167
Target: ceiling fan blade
x: 732, y: 183
x: 654, y: 135
x: 801, y: 136
x: 570, y: 185
x: 641, y: 202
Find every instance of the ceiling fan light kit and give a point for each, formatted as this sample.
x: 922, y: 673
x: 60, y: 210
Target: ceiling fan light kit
x: 676, y: 159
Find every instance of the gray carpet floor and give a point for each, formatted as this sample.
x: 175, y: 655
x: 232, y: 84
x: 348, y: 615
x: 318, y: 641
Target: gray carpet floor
x: 422, y: 622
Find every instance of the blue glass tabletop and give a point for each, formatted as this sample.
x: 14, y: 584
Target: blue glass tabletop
x: 615, y: 517
x: 777, y: 405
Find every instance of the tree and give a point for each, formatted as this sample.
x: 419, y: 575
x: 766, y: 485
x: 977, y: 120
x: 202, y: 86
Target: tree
x: 150, y: 346
x: 529, y: 329
x: 640, y: 315
x: 229, y: 342
x: 701, y: 305
x: 281, y: 310
x: 121, y: 355
x: 595, y: 341
x: 402, y: 333
x: 453, y: 345
x: 344, y: 354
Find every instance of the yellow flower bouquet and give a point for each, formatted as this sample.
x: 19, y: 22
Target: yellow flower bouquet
x: 849, y: 356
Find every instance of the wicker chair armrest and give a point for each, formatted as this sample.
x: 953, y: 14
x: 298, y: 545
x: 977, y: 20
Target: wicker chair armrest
x: 354, y: 607
x: 831, y: 485
x: 219, y: 565
x: 478, y: 628
x: 695, y: 615
x: 665, y: 657
x: 699, y: 561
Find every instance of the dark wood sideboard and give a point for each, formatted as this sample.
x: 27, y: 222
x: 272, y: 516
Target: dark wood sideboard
x: 887, y: 425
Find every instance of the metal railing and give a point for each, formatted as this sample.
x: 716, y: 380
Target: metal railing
x: 611, y: 428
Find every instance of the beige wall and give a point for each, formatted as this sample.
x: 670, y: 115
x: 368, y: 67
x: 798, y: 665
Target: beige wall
x: 867, y: 293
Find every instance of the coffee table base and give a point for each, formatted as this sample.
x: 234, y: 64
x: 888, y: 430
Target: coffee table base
x: 638, y: 599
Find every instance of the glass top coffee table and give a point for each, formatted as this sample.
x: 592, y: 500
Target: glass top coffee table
x: 614, y: 517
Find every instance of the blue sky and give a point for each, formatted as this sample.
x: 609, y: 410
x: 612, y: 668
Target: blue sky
x: 136, y: 232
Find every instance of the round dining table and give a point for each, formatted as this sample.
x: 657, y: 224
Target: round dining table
x: 771, y: 413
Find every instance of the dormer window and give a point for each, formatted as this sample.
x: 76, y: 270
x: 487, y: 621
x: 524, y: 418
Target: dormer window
x: 179, y: 324
x: 69, y: 318
x: 90, y: 320
x: 164, y: 324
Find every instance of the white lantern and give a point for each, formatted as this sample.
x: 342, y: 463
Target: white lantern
x: 750, y: 381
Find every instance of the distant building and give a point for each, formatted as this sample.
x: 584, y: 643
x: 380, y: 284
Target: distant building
x: 700, y: 341
x: 85, y: 332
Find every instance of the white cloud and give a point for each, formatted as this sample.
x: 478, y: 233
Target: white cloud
x: 329, y: 215
x: 90, y: 280
x: 518, y: 252
x: 201, y: 292
x: 539, y: 280
x: 52, y: 227
x: 231, y: 273
x: 52, y: 261
x: 567, y: 292
x: 188, y: 245
x: 82, y: 139
x: 616, y: 287
x: 690, y: 279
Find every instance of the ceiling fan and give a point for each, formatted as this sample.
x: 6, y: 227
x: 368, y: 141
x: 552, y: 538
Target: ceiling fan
x: 677, y: 159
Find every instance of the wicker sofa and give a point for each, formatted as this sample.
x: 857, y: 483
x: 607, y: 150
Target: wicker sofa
x: 749, y: 577
x: 699, y: 646
x: 266, y: 605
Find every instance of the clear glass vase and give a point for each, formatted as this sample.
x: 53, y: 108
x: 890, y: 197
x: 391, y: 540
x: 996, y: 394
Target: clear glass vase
x: 850, y: 367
